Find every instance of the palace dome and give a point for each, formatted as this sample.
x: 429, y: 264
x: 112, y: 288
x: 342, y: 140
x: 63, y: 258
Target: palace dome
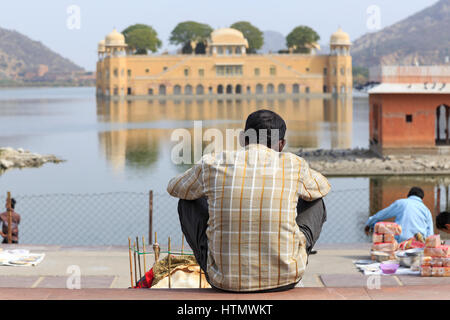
x: 115, y: 38
x: 228, y: 36
x: 340, y: 38
x: 101, y: 46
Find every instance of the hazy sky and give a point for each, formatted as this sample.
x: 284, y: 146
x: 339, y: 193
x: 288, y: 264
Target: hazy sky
x: 46, y: 20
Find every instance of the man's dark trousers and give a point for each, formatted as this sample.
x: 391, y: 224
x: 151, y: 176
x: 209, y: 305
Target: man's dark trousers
x: 194, y: 219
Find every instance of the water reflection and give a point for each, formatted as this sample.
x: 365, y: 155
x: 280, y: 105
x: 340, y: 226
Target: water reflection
x: 146, y: 125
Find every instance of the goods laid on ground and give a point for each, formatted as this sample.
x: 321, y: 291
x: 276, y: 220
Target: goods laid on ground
x: 388, y: 228
x: 175, y: 270
x: 384, y: 244
x: 20, y: 257
x: 436, y: 259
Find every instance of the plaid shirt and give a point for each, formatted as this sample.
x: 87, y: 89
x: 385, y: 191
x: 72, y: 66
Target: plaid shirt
x: 254, y: 242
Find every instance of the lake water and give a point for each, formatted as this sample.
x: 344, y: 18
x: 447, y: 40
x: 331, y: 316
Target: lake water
x: 117, y: 151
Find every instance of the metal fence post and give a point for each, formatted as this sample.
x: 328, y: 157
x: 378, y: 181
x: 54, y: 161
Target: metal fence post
x: 9, y: 210
x: 150, y: 217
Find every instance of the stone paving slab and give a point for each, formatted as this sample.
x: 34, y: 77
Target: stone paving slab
x: 355, y: 280
x: 87, y: 282
x: 397, y: 293
x: 17, y: 281
x: 423, y: 281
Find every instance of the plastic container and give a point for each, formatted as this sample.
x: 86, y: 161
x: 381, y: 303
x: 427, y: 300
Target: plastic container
x: 389, y: 267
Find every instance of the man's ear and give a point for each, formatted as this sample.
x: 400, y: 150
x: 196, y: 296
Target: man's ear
x: 281, y: 145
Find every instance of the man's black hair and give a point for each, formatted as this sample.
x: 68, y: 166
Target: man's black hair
x: 13, y: 203
x: 268, y: 120
x: 442, y: 219
x: 416, y: 191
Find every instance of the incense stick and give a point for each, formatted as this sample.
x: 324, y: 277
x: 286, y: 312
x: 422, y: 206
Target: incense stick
x: 170, y: 284
x: 145, y: 264
x: 139, y: 258
x: 131, y: 261
x: 134, y: 254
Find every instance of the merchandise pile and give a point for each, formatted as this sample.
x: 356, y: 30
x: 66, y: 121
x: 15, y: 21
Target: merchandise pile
x: 436, y: 258
x: 383, y: 239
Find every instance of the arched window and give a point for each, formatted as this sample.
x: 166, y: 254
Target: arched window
x: 177, y: 89
x: 220, y: 89
x: 238, y: 89
x: 259, y: 89
x: 229, y: 89
x: 199, y: 89
x: 162, y: 90
x: 188, y: 89
x: 270, y: 88
x: 281, y: 88
x: 295, y: 88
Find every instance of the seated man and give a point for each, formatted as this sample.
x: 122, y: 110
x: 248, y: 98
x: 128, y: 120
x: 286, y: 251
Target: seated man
x: 443, y: 221
x: 15, y: 224
x: 243, y: 212
x: 410, y: 213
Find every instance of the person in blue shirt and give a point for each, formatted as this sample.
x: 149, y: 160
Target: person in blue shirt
x: 410, y: 213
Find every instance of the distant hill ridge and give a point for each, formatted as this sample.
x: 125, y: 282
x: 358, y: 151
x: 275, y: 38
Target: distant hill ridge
x: 20, y: 55
x: 422, y: 38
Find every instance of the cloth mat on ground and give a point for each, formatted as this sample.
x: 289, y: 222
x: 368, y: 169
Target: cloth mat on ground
x: 368, y: 267
x: 20, y: 258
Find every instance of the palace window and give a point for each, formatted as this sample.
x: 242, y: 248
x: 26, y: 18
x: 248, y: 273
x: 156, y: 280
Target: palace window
x: 129, y: 72
x: 325, y: 71
x: 147, y: 70
x: 164, y: 68
x: 228, y: 70
x: 201, y: 72
x: 186, y: 72
x: 220, y: 50
x: 307, y: 89
x: 273, y: 71
x: 116, y: 73
x: 307, y: 69
x: 238, y: 50
x: 409, y: 118
x: 229, y: 51
x: 257, y: 71
x: 343, y: 71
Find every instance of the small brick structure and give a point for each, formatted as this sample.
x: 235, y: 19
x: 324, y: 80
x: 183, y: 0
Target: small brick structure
x: 411, y: 117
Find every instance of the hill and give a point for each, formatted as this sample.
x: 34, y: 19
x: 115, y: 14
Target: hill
x: 422, y: 38
x: 273, y: 41
x: 22, y: 58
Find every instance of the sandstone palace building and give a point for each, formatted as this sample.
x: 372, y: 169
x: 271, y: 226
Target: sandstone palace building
x: 226, y: 68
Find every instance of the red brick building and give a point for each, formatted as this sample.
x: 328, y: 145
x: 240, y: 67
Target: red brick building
x: 411, y: 117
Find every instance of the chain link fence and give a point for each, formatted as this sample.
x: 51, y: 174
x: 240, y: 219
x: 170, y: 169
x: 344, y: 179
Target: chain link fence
x: 110, y: 218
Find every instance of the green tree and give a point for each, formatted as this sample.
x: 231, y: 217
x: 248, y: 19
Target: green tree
x: 300, y: 38
x: 188, y: 31
x: 141, y: 38
x: 253, y: 35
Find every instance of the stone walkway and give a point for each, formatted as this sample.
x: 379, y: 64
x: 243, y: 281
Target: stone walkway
x: 108, y: 267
